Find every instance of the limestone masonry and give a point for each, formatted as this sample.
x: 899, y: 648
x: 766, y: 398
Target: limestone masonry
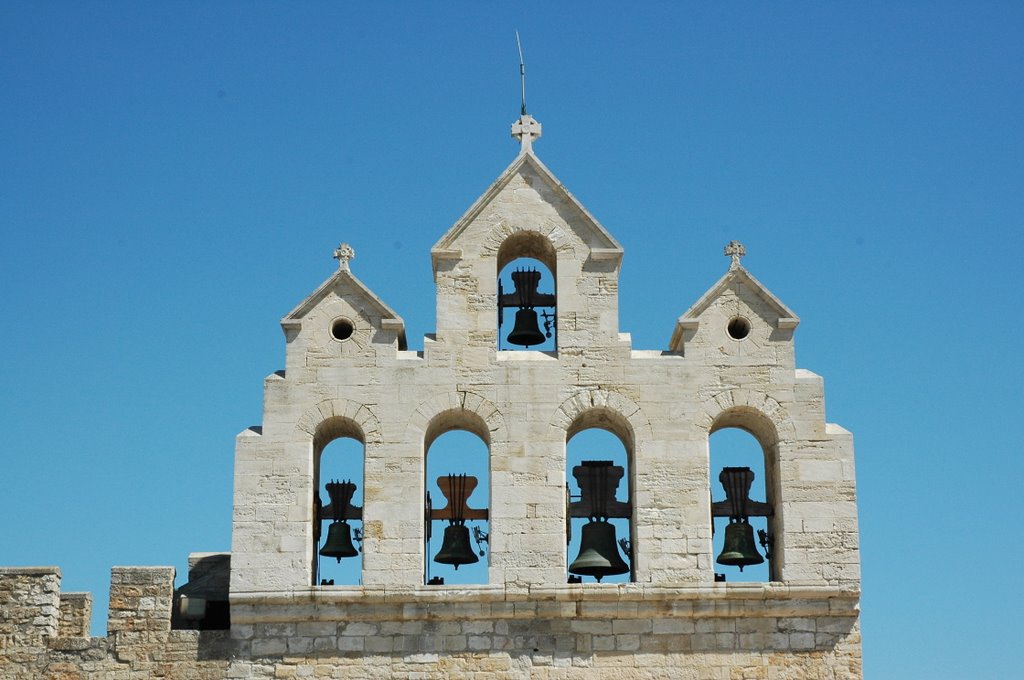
x: 262, y: 610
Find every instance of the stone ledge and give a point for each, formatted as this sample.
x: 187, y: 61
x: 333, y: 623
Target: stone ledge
x: 561, y: 601
x: 29, y: 571
x: 514, y: 355
x: 71, y: 644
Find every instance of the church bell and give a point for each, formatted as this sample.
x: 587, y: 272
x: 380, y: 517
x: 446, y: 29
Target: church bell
x: 339, y: 541
x: 739, y: 549
x: 599, y: 552
x: 455, y: 549
x: 527, y: 331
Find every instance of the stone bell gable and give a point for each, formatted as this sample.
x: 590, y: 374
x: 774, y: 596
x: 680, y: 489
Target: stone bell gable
x: 341, y: 319
x: 649, y: 589
x: 738, y: 321
x: 527, y: 212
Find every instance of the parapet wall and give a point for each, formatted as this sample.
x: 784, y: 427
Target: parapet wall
x: 565, y: 632
x: 29, y: 614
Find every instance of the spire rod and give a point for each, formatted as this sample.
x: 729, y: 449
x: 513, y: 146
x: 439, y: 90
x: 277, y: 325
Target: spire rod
x: 526, y: 129
x: 522, y: 74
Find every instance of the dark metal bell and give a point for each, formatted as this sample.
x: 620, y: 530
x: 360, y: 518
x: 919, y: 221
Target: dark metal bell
x: 526, y: 332
x: 739, y: 549
x: 599, y: 552
x: 455, y: 548
x: 339, y: 541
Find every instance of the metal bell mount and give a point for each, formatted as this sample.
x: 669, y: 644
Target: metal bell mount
x: 599, y: 554
x: 339, y: 533
x: 525, y: 298
x: 455, y: 547
x: 739, y: 548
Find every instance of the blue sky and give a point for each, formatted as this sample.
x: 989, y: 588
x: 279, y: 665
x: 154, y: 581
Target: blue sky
x: 175, y: 177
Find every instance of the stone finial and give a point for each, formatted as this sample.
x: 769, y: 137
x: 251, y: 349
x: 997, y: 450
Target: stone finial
x: 343, y: 253
x: 735, y: 250
x: 526, y: 129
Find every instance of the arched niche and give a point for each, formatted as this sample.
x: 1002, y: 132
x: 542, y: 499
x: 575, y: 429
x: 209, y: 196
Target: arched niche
x: 527, y: 244
x: 457, y: 442
x: 339, y: 454
x: 742, y: 437
x: 602, y: 435
x: 527, y: 251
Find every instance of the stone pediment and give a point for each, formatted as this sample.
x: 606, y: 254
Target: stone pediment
x: 527, y: 171
x: 750, y: 293
x: 344, y: 285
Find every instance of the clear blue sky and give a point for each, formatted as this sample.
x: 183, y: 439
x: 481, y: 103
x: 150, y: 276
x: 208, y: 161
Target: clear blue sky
x: 176, y: 175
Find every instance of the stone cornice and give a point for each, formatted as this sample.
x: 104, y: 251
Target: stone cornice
x: 560, y: 601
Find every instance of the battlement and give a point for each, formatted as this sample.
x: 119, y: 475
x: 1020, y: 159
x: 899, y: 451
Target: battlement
x: 402, y: 632
x: 43, y: 628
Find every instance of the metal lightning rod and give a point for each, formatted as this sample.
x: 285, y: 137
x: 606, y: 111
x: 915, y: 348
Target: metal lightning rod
x: 522, y: 74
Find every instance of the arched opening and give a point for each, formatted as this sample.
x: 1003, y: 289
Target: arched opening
x: 526, y: 269
x: 600, y: 526
x: 338, y: 460
x: 457, y: 500
x: 743, y: 518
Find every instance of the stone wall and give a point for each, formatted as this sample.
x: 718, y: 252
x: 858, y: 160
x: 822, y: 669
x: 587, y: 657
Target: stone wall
x: 581, y: 631
x: 75, y: 614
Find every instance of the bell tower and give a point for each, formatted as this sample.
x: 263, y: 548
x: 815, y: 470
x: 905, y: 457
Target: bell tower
x: 588, y: 522
x: 527, y: 213
x: 600, y: 518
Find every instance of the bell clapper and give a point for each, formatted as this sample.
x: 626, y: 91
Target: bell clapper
x: 480, y: 536
x: 549, y: 320
x: 765, y: 539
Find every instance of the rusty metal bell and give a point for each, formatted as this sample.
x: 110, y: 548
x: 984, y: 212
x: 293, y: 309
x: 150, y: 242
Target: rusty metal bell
x: 339, y: 541
x: 455, y: 548
x: 599, y: 552
x: 739, y: 549
x: 527, y: 331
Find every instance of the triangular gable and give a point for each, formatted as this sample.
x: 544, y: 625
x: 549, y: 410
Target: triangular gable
x: 345, y: 280
x: 690, y: 320
x: 444, y: 248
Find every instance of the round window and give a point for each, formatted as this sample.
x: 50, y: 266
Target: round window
x: 342, y: 329
x: 738, y: 328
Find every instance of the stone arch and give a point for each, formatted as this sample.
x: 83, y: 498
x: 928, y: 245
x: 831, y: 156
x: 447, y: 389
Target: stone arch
x: 488, y: 424
x: 756, y: 412
x: 615, y: 413
x: 530, y: 244
x: 469, y: 412
x: 770, y: 425
x: 329, y: 420
x: 541, y: 241
x: 602, y: 408
x: 349, y: 418
x: 533, y: 250
x: 602, y: 416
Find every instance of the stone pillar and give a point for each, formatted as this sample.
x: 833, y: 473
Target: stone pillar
x: 140, y: 599
x: 29, y: 614
x: 75, y: 614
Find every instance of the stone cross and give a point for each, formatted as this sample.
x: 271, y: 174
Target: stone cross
x: 526, y: 129
x: 343, y: 253
x: 735, y: 250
